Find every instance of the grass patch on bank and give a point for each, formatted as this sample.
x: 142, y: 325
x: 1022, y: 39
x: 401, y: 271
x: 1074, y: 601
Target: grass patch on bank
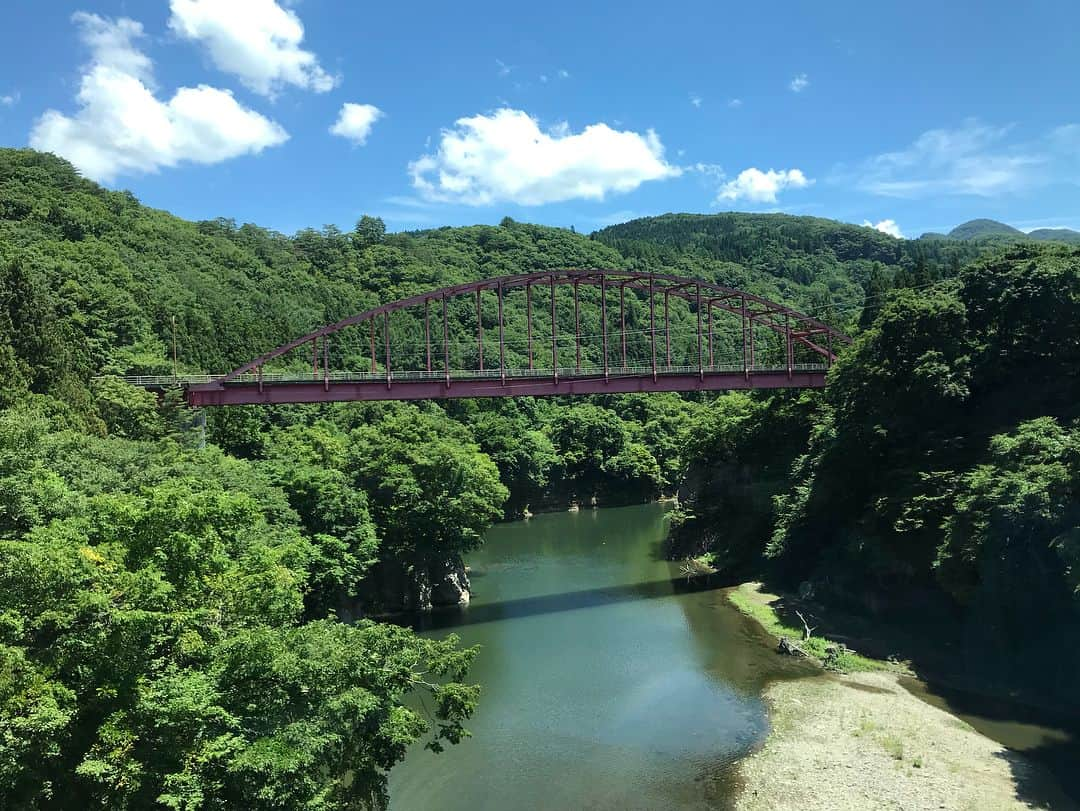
x: 893, y: 746
x: 758, y: 605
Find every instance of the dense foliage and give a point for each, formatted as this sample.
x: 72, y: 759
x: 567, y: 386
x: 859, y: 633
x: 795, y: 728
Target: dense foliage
x: 172, y: 598
x: 943, y: 455
x: 161, y: 641
x: 824, y: 266
x: 170, y: 630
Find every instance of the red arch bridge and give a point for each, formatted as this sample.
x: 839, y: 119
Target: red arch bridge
x: 552, y: 332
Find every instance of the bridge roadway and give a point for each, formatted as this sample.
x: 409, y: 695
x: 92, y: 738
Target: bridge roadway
x: 338, y: 386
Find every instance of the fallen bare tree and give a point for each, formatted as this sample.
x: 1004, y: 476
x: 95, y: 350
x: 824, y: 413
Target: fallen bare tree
x: 789, y: 648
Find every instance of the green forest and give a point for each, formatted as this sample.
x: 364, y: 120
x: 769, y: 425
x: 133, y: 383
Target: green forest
x: 192, y: 616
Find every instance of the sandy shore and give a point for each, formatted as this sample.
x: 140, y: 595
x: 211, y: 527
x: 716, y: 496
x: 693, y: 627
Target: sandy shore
x: 861, y: 741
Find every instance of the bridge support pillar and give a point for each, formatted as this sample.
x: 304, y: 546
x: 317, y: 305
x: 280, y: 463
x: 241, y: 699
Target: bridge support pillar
x: 445, y: 341
x: 700, y: 361
x: 386, y: 330
x: 502, y: 342
x: 652, y: 325
x: 622, y: 320
x: 427, y: 331
x: 745, y: 327
x: 528, y: 320
x: 789, y: 349
x: 667, y: 331
x: 603, y: 322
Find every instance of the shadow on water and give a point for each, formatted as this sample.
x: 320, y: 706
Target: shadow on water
x: 1034, y: 786
x: 453, y: 617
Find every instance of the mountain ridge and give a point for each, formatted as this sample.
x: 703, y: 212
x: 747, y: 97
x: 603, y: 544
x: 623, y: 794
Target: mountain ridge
x: 987, y: 229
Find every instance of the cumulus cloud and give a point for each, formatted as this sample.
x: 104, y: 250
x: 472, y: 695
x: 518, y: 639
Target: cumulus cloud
x: 757, y: 186
x: 973, y: 159
x: 10, y: 99
x: 735, y: 103
x: 886, y: 227
x: 506, y: 157
x: 799, y: 83
x: 257, y: 41
x: 121, y: 127
x: 695, y: 99
x: 355, y: 121
x: 110, y: 41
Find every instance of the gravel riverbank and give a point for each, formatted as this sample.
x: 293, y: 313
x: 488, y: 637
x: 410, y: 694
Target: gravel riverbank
x: 861, y: 741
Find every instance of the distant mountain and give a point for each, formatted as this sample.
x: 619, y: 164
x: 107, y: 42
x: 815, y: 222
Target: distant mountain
x: 1055, y: 235
x: 976, y: 229
x: 812, y: 262
x: 997, y: 231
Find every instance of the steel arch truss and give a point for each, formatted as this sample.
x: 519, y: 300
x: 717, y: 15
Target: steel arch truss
x: 248, y: 384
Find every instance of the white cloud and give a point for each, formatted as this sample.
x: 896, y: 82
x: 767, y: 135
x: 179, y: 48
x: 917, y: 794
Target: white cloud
x: 695, y: 99
x: 762, y: 187
x: 355, y: 121
x: 110, y: 41
x: 974, y: 159
x: 10, y: 99
x: 710, y: 170
x: 543, y: 78
x: 563, y: 73
x: 256, y: 40
x: 506, y: 157
x: 504, y: 69
x: 799, y: 83
x: 886, y: 227
x: 735, y: 103
x: 122, y: 128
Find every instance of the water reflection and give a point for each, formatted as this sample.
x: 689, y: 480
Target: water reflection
x: 609, y: 681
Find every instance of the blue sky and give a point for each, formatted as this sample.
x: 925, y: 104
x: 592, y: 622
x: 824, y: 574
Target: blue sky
x: 915, y: 116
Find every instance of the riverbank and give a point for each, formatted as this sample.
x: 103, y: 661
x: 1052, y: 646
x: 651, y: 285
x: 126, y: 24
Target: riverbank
x: 859, y: 740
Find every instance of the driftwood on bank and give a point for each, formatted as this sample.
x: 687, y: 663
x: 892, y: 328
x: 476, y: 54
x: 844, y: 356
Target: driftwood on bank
x: 789, y: 648
x: 808, y: 629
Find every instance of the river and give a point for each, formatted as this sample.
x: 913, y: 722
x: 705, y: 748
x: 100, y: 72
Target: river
x: 608, y: 681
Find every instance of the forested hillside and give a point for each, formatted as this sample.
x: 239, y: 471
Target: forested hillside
x: 825, y: 266
x: 941, y: 467
x: 151, y: 587
x: 172, y: 599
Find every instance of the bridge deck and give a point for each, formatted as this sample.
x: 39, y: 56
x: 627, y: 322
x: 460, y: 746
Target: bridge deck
x: 249, y: 389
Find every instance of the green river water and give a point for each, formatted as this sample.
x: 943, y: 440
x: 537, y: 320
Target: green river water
x: 608, y: 682
x: 611, y: 682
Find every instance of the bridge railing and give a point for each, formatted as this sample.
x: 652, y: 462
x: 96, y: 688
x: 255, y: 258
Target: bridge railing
x: 567, y: 372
